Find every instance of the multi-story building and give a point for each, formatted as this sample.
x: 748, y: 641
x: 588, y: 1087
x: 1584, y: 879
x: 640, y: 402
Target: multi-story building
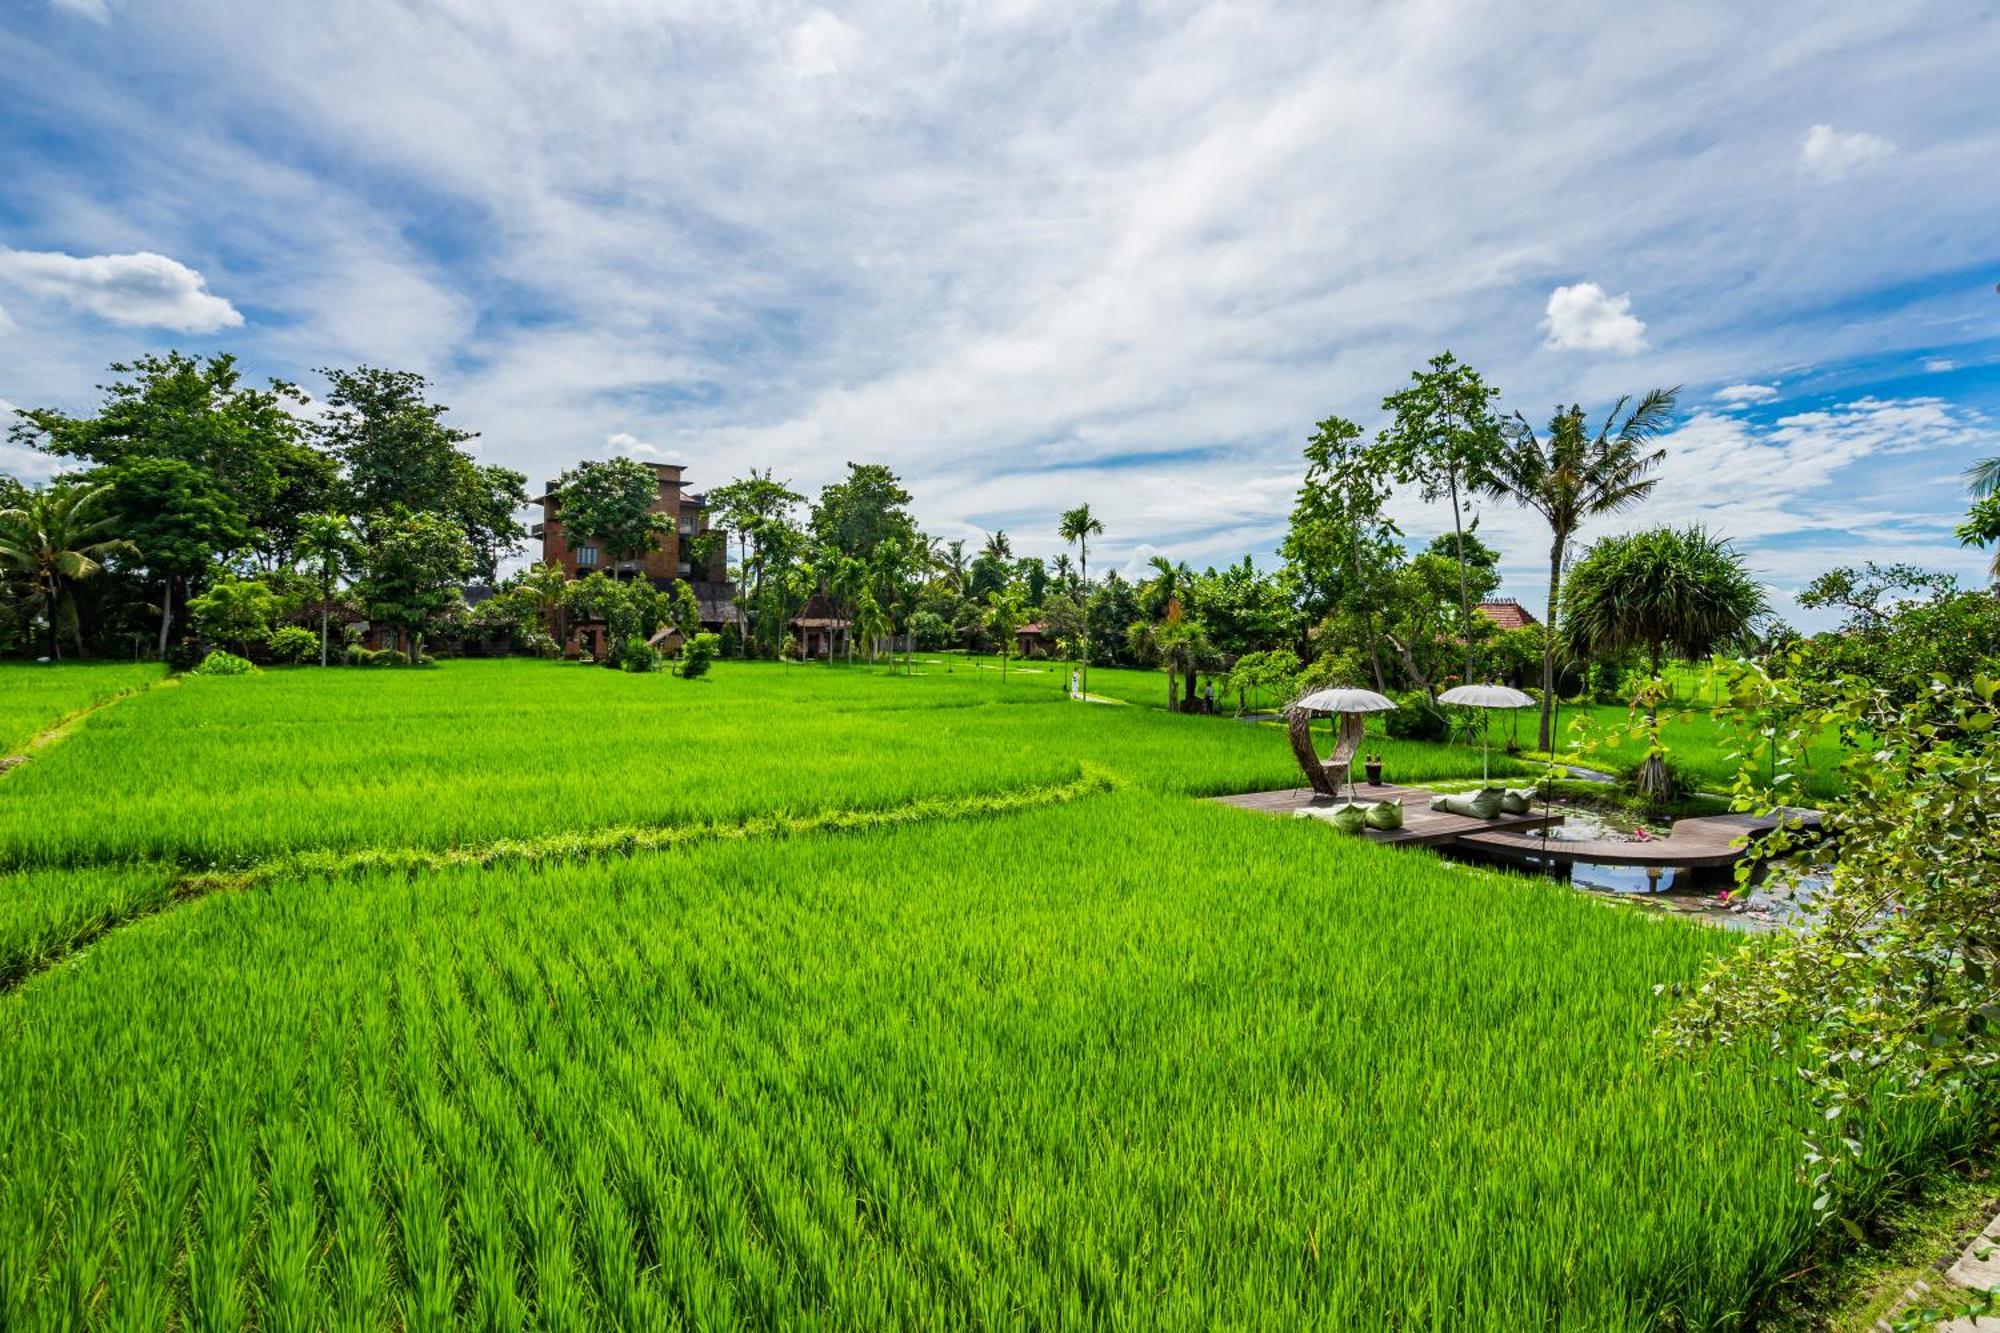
x: 682, y: 554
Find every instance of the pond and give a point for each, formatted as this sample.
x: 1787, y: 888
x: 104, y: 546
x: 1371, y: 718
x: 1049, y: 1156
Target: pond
x: 1711, y: 894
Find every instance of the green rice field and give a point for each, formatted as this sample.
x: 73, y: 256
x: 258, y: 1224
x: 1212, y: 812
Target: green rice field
x: 35, y: 698
x: 519, y: 994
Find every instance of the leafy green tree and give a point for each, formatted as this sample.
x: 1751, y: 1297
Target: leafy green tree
x: 1340, y: 545
x: 1889, y: 990
x: 180, y: 520
x: 1273, y: 670
x: 330, y: 549
x: 60, y: 538
x: 685, y: 612
x: 237, y: 612
x: 416, y: 569
x: 1006, y: 612
x: 1905, y: 627
x: 247, y: 446
x: 856, y: 515
x: 758, y: 509
x: 699, y: 655
x: 401, y: 458
x: 1679, y: 590
x: 1571, y: 476
x: 609, y: 502
x: 1444, y: 437
x: 1111, y: 608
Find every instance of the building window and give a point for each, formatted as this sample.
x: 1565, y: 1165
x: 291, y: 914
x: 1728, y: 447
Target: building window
x: 586, y: 555
x: 686, y: 568
x: 687, y: 526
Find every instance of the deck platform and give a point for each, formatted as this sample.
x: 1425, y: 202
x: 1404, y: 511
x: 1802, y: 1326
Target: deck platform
x: 1422, y: 826
x: 1704, y: 842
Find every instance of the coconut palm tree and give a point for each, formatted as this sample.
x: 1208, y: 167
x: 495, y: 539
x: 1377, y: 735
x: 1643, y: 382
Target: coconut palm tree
x: 1571, y: 476
x: 1666, y: 589
x: 328, y: 547
x: 1982, y: 481
x: 1078, y: 526
x: 58, y: 539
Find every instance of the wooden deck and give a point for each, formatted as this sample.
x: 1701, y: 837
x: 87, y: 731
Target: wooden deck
x: 1713, y: 840
x: 1422, y: 826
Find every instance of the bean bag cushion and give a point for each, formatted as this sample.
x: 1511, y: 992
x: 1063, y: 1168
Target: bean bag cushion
x: 1350, y: 818
x: 1517, y: 800
x: 1385, y: 815
x: 1481, y: 804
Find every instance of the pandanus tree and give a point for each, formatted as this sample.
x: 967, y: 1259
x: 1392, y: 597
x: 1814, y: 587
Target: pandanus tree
x: 60, y: 538
x: 1078, y: 526
x: 1570, y: 476
x: 1665, y: 590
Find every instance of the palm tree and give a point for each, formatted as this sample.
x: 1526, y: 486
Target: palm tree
x: 1573, y: 476
x: 545, y: 583
x: 328, y: 547
x: 1983, y: 477
x: 58, y: 539
x: 1665, y: 589
x: 1078, y: 526
x: 1982, y: 482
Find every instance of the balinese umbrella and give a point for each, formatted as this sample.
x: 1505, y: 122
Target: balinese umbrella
x: 1485, y: 696
x: 1346, y: 704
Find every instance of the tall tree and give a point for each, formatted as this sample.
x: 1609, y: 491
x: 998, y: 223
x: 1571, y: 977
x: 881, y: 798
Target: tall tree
x: 610, y: 501
x: 180, y: 519
x: 1571, y: 476
x: 417, y: 567
x: 856, y: 515
x: 402, y: 458
x: 1077, y: 527
x: 61, y: 537
x: 758, y: 509
x: 1679, y: 590
x: 1341, y: 542
x: 1443, y: 436
x: 329, y: 550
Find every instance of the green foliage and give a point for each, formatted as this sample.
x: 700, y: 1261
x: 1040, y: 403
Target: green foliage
x: 401, y: 458
x: 858, y: 514
x: 1905, y: 627
x: 698, y: 654
x: 293, y: 644
x: 417, y: 565
x: 1892, y: 991
x: 1417, y: 718
x: 57, y: 538
x: 235, y: 611
x: 1273, y: 674
x: 220, y: 663
x: 609, y: 502
x: 638, y: 656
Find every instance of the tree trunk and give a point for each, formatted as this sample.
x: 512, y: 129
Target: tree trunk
x: 1171, y: 699
x: 1652, y: 782
x: 166, y: 614
x: 1187, y: 692
x: 1083, y: 574
x: 743, y: 577
x: 1464, y: 595
x: 325, y: 615
x: 1547, y: 745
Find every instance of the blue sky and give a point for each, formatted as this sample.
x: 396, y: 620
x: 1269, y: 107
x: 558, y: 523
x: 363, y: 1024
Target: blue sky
x: 1030, y: 254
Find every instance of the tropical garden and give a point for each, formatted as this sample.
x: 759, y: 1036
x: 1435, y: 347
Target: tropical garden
x: 901, y: 977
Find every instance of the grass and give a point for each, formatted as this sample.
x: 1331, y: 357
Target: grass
x: 816, y: 996
x: 34, y: 698
x: 1042, y: 1069
x: 222, y: 770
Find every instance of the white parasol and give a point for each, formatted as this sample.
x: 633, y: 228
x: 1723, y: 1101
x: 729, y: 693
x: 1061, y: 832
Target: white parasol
x: 1486, y: 696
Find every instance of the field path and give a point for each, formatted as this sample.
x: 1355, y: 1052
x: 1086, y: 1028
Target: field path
x: 21, y: 961
x: 59, y: 730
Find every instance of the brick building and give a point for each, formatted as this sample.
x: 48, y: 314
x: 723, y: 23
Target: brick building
x: 704, y: 565
x: 1507, y: 613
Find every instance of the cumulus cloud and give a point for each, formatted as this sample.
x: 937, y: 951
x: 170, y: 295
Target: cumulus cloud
x: 1744, y: 395
x: 1584, y: 317
x: 142, y: 288
x: 630, y: 445
x: 1830, y: 155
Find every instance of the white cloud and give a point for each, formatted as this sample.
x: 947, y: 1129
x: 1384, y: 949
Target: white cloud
x: 6, y: 321
x: 624, y: 442
x: 1743, y: 395
x: 822, y: 45
x: 1938, y: 365
x: 143, y: 288
x: 97, y: 11
x: 1829, y: 155
x: 1584, y: 317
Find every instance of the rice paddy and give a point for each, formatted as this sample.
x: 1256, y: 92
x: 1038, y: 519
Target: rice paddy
x: 540, y: 995
x: 35, y: 698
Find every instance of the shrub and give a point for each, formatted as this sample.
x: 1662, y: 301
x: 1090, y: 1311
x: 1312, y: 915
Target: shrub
x: 538, y: 643
x: 698, y: 653
x: 219, y: 663
x: 294, y: 644
x: 1417, y: 718
x: 639, y: 656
